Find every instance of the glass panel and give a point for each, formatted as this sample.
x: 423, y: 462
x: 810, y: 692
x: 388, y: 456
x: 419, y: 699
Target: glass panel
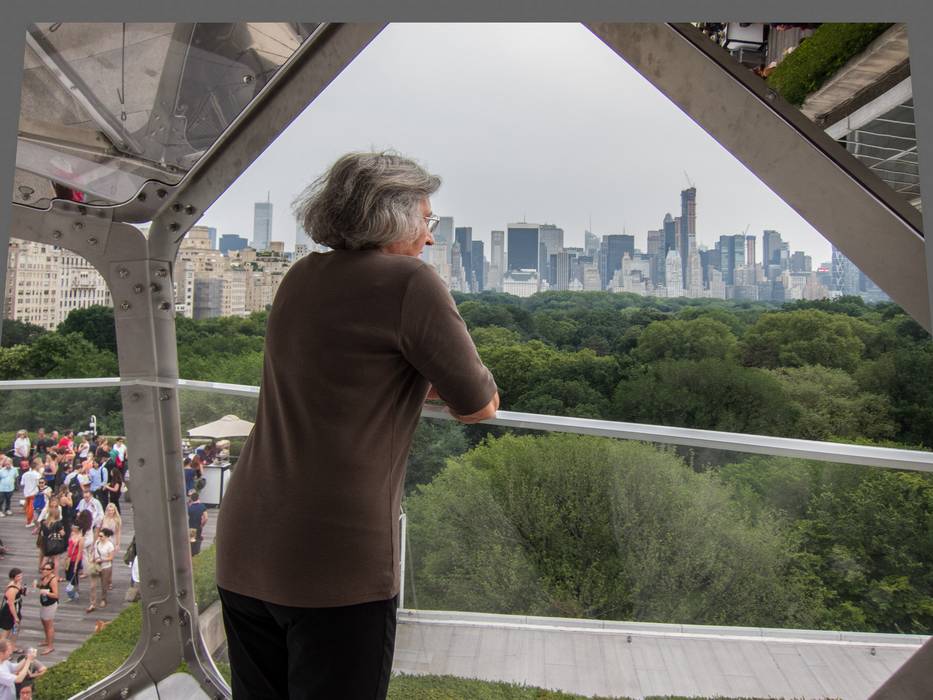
x: 107, y: 106
x: 623, y: 552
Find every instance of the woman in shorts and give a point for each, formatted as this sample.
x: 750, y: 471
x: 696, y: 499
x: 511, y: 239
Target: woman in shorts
x: 48, y: 605
x: 12, y: 605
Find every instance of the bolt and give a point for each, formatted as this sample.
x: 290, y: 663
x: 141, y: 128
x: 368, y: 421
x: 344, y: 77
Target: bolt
x: 174, y: 226
x: 153, y: 609
x: 165, y: 306
x: 161, y: 272
x: 167, y: 620
x: 153, y: 287
x: 182, y: 593
x: 141, y: 196
x: 164, y: 396
x: 56, y: 234
x: 189, y: 210
x: 92, y: 241
x: 77, y: 226
x: 161, y: 193
x: 247, y: 78
x: 135, y: 396
x: 133, y: 674
x: 138, y: 288
x: 102, y: 694
x: 156, y: 637
x: 771, y: 95
x: 176, y: 207
x: 125, y: 306
x: 123, y: 272
x: 125, y: 693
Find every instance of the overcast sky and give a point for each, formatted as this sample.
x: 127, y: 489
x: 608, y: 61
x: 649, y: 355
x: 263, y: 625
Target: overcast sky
x: 534, y: 122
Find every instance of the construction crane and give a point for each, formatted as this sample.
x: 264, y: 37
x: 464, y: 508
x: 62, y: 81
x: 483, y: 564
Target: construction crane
x: 689, y: 181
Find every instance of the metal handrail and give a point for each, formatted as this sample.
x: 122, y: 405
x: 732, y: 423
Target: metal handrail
x: 867, y: 455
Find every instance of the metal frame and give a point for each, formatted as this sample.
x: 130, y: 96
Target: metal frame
x: 865, y: 455
x: 138, y: 271
x: 875, y: 229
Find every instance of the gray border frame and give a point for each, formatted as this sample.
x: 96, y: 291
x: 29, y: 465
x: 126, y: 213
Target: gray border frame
x: 916, y: 13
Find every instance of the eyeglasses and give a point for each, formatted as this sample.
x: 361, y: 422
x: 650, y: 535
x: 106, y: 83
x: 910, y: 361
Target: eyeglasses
x: 432, y: 222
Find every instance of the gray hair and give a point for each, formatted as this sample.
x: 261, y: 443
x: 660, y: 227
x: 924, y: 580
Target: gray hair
x: 366, y: 200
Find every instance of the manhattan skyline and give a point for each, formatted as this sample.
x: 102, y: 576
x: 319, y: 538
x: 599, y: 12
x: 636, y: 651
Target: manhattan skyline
x: 536, y: 122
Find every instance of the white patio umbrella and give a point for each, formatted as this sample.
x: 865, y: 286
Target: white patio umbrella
x: 228, y: 426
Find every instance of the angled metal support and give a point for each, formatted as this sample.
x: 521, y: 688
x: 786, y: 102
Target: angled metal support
x: 315, y: 64
x: 873, y: 226
x: 139, y: 272
x: 141, y: 286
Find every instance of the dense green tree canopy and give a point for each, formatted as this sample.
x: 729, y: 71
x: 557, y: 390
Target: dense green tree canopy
x: 808, y: 337
x: 590, y: 527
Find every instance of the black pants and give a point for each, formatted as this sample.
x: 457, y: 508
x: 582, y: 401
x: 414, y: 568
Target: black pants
x: 278, y: 652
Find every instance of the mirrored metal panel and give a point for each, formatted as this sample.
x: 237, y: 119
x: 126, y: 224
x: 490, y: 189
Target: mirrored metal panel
x: 107, y: 106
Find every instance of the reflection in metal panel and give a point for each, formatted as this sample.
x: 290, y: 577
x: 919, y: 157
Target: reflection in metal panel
x: 106, y: 107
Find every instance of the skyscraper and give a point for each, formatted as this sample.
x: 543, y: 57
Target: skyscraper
x: 550, y: 242
x: 845, y: 274
x: 770, y: 250
x: 590, y: 243
x: 617, y: 245
x: 732, y: 252
x: 496, y: 259
x: 478, y: 261
x: 523, y: 251
x: 750, y: 253
x: 688, y: 224
x: 675, y: 286
x: 464, y: 237
x: 262, y: 224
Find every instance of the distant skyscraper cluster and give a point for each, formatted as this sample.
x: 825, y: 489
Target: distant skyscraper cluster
x: 525, y: 258
x: 223, y: 275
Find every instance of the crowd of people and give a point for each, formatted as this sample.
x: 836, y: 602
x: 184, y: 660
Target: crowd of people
x: 71, y: 491
x: 71, y: 488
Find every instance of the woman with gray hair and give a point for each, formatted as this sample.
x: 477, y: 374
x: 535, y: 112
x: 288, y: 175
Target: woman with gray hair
x: 357, y: 339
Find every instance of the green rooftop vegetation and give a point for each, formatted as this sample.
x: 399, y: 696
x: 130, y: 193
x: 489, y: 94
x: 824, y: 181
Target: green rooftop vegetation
x: 818, y: 58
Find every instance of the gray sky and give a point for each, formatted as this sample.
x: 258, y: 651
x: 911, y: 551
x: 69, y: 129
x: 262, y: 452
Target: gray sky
x: 536, y: 122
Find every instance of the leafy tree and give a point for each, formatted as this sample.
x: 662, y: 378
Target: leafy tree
x: 686, y: 340
x: 831, y: 405
x: 94, y: 323
x: 708, y: 394
x: 902, y: 376
x: 591, y: 527
x: 872, y: 547
x: 434, y: 442
x: 563, y: 397
x: 491, y: 335
x: 68, y: 355
x: 807, y: 337
x: 19, y: 332
x: 477, y: 314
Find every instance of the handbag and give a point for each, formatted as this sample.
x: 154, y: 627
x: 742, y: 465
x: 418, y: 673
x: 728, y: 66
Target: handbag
x: 93, y: 568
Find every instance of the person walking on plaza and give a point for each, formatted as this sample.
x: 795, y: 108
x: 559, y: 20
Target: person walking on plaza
x: 54, y: 536
x: 7, y: 486
x: 12, y: 604
x: 92, y: 505
x: 197, y: 519
x: 48, y: 605
x: 75, y: 556
x: 114, y: 486
x: 99, y: 478
x: 22, y: 448
x: 101, y: 573
x: 30, y: 483
x: 344, y: 381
